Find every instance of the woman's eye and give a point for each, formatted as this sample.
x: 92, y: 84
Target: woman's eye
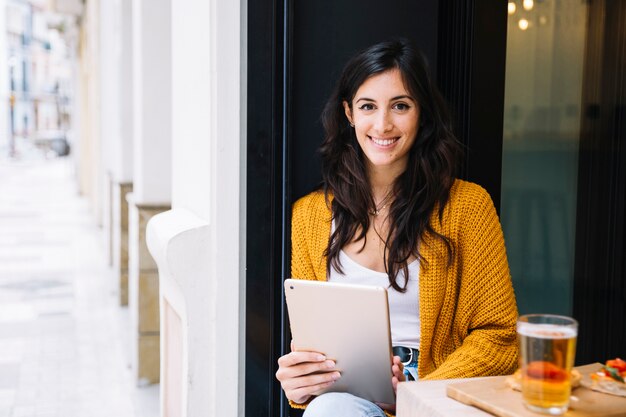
x: 401, y: 106
x: 367, y: 106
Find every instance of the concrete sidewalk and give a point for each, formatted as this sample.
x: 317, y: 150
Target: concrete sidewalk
x: 63, y: 337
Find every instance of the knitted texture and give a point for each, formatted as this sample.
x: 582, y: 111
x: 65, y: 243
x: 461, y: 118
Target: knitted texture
x: 467, y: 309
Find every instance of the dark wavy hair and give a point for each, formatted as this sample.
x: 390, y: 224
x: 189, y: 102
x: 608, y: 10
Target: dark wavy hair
x: 424, y: 185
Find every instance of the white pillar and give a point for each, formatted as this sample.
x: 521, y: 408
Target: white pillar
x: 123, y: 170
x: 110, y: 63
x: 151, y: 167
x: 152, y: 80
x: 117, y: 131
x: 228, y: 174
x: 199, y: 245
x: 110, y: 45
x: 89, y: 157
x: 116, y: 82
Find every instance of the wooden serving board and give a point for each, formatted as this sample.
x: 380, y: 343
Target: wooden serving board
x: 494, y: 396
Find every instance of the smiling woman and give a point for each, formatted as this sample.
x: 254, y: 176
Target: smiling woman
x: 391, y: 213
x: 389, y: 149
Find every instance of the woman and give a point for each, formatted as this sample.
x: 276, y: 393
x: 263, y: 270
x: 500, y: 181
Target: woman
x: 392, y: 213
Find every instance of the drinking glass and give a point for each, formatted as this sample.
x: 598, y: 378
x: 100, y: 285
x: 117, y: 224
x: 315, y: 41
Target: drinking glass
x: 547, y: 349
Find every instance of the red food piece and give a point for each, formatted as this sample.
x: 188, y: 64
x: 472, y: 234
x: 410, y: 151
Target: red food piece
x: 618, y: 364
x: 546, y: 371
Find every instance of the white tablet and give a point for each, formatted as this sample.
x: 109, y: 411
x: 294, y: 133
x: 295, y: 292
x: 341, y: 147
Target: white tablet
x: 350, y: 325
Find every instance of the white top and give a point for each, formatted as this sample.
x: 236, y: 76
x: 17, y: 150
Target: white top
x: 403, y: 307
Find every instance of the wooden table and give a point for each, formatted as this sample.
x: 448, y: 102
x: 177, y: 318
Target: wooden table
x: 429, y: 399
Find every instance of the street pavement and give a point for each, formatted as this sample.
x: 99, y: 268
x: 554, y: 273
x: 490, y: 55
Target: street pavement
x: 64, y: 339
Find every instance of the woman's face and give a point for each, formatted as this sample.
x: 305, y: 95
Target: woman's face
x: 386, y: 121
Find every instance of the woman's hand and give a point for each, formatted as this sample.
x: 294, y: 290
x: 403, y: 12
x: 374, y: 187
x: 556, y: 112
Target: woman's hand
x: 304, y: 374
x: 397, y: 371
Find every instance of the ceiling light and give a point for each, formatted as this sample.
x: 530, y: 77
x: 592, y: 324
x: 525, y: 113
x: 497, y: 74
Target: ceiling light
x: 512, y: 7
x: 523, y: 24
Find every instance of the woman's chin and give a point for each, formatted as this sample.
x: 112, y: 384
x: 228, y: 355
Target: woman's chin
x: 386, y: 162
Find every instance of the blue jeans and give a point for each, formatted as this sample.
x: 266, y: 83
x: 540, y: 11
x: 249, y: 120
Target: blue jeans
x: 334, y: 404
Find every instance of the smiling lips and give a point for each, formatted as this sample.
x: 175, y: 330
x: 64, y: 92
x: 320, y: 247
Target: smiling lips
x: 384, y: 142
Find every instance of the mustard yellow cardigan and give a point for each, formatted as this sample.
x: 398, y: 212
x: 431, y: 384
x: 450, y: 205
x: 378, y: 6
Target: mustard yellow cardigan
x: 468, y: 311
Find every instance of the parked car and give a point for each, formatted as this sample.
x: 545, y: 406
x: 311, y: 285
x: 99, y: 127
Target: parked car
x: 52, y: 140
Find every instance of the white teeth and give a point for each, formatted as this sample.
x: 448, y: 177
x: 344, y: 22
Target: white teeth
x: 384, y: 142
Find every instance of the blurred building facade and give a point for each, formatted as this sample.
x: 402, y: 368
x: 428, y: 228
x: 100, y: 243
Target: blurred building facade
x: 41, y: 47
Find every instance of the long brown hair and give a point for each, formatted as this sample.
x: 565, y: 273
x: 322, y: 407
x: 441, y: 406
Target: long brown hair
x: 424, y: 185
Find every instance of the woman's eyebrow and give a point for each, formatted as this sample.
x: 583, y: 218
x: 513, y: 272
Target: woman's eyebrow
x: 403, y: 97
x: 392, y: 99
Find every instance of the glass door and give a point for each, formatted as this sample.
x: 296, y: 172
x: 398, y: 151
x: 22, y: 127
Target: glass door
x: 541, y: 136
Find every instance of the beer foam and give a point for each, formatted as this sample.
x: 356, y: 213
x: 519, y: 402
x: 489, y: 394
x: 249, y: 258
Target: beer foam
x: 545, y: 331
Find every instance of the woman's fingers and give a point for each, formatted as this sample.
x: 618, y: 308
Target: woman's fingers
x: 394, y: 383
x: 302, y: 394
x: 295, y: 358
x: 303, y: 374
x: 310, y: 381
x: 301, y: 389
x: 297, y: 364
x: 304, y: 369
x: 397, y: 370
x: 397, y: 362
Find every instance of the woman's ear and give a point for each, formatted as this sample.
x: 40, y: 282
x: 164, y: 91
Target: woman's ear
x: 348, y: 111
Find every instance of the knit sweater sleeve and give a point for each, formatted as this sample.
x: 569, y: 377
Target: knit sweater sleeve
x: 310, y: 230
x: 486, y: 312
x: 301, y: 264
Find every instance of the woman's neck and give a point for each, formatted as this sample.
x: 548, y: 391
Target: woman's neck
x: 381, y: 181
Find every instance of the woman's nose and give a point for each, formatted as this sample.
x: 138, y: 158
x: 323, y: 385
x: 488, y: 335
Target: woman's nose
x: 383, y: 122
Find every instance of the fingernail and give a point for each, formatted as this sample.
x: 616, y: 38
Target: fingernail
x: 320, y: 357
x: 336, y: 376
x: 330, y: 364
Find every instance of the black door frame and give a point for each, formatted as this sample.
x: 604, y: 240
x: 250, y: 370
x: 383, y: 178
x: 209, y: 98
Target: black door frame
x: 266, y: 216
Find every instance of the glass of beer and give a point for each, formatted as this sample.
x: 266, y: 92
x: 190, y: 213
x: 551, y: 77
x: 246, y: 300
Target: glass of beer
x: 547, y: 349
